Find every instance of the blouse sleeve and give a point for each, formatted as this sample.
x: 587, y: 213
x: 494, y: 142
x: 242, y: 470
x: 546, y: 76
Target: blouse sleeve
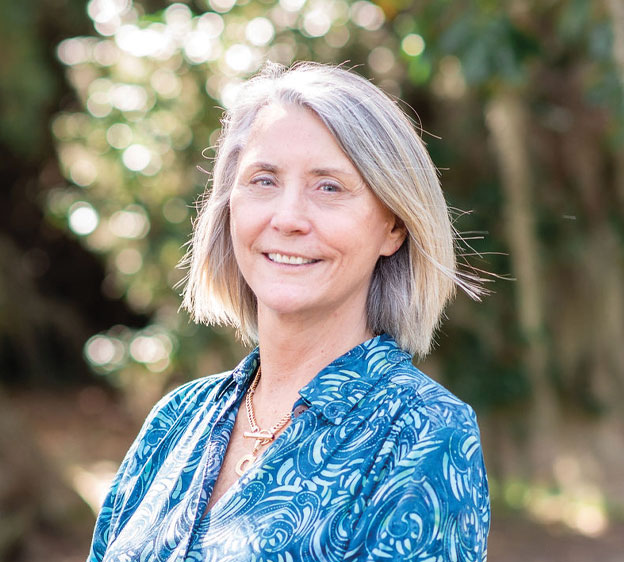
x: 138, y: 465
x: 103, y: 523
x: 433, y: 504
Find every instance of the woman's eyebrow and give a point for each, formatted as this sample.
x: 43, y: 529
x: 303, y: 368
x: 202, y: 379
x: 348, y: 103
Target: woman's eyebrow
x: 263, y: 166
x: 325, y: 171
x: 331, y: 172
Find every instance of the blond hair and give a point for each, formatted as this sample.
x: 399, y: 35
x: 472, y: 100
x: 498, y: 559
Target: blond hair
x: 410, y: 288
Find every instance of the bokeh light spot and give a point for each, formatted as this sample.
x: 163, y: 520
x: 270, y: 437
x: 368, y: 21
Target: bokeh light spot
x: 83, y: 218
x: 367, y: 15
x: 73, y: 51
x: 199, y: 47
x: 102, y: 350
x: 136, y: 157
x: 381, y: 59
x: 150, y: 348
x: 152, y: 41
x: 222, y: 5
x: 259, y: 31
x: 413, y: 45
x: 59, y: 201
x: 211, y: 24
x: 292, y: 5
x: 99, y: 104
x: 108, y: 28
x: 119, y: 135
x: 317, y: 23
x: 106, y: 53
x: 83, y: 172
x: 129, y: 261
x: 239, y: 57
x: 166, y: 83
x: 131, y: 222
x: 140, y: 296
x: 449, y: 81
x: 129, y: 97
x: 103, y: 11
x: 282, y: 52
x: 175, y: 210
x: 154, y: 165
x: 178, y: 18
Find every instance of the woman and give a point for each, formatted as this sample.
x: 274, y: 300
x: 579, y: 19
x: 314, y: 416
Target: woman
x: 326, y: 239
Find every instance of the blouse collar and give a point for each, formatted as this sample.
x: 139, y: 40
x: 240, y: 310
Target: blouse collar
x: 338, y: 387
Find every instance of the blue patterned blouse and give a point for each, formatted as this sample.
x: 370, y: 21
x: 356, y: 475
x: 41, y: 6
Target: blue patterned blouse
x: 379, y: 463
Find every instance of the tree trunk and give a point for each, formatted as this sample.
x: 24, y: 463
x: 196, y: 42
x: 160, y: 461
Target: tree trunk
x: 506, y: 120
x: 616, y: 11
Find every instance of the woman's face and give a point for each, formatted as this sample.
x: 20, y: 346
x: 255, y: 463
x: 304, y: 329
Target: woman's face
x: 306, y: 230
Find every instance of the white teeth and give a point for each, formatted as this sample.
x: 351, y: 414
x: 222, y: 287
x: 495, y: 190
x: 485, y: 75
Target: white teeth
x: 291, y: 260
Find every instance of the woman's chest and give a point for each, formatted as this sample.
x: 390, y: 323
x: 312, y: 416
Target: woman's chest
x: 239, y: 448
x: 301, y: 501
x: 305, y: 494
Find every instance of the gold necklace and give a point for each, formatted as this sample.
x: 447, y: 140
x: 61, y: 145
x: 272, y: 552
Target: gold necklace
x: 262, y: 436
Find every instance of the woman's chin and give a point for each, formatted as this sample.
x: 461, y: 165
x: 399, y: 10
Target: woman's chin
x: 289, y: 306
x: 283, y: 308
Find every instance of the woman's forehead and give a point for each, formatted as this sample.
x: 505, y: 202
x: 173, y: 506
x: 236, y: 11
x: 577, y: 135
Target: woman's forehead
x: 282, y: 130
x: 273, y: 114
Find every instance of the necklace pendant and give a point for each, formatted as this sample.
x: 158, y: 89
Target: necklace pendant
x: 245, y: 463
x: 263, y: 435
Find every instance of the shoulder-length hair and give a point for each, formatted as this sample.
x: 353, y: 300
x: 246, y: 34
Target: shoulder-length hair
x: 410, y: 288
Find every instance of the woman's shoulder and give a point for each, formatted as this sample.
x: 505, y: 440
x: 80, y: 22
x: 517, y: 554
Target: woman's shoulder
x: 419, y: 396
x: 189, y: 395
x: 174, y: 413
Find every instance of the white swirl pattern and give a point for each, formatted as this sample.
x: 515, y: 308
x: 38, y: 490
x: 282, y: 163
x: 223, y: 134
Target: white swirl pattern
x: 384, y: 465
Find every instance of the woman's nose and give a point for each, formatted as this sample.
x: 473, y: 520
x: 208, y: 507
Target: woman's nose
x: 290, y: 214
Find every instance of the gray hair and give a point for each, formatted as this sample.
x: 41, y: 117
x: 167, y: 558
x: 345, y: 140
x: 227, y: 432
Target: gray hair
x: 410, y: 288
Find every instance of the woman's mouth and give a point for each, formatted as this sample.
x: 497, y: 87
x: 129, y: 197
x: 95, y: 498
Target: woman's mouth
x: 290, y: 260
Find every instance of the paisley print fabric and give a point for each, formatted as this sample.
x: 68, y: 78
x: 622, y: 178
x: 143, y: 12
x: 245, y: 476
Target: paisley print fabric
x: 379, y: 463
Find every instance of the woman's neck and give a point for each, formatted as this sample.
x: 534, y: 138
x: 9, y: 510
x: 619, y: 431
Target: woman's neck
x: 293, y: 351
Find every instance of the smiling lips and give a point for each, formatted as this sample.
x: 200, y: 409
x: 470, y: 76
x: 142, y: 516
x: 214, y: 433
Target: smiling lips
x: 289, y: 260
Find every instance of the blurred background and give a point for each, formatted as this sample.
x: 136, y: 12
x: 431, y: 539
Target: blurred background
x: 108, y: 110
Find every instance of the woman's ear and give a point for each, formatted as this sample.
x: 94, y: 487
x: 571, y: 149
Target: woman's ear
x: 395, y: 237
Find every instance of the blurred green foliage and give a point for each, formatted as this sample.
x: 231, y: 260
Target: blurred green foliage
x: 148, y: 81
x: 152, y: 81
x: 27, y: 82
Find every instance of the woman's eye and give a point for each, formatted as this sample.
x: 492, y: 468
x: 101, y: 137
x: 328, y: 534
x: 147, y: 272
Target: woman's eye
x: 330, y: 187
x: 263, y: 181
